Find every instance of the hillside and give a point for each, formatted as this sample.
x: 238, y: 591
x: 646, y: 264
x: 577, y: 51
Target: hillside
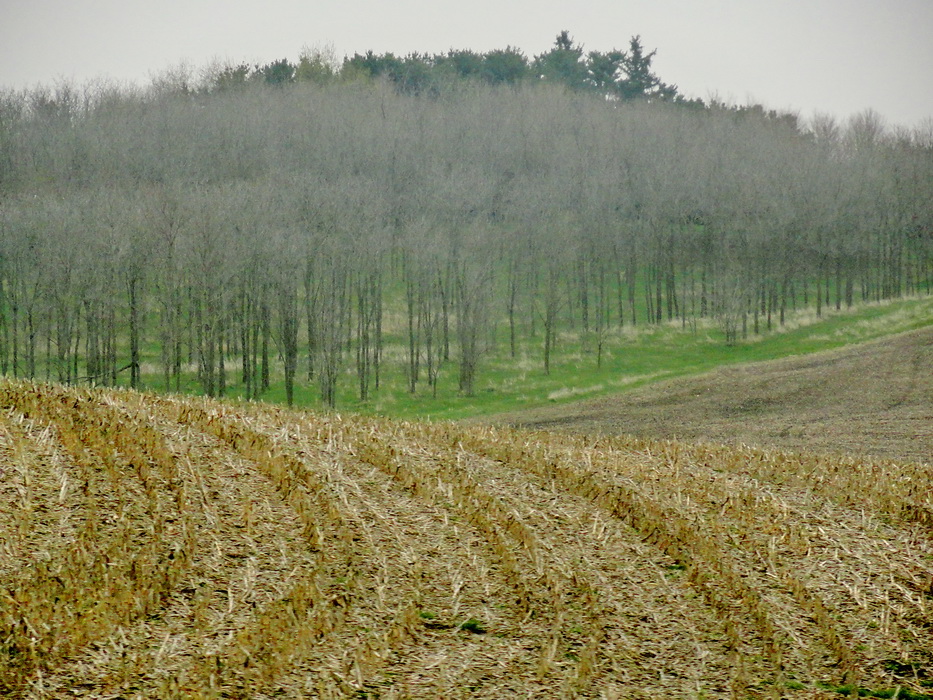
x: 873, y: 399
x: 178, y: 547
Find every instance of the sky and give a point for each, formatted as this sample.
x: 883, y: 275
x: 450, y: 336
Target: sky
x: 836, y: 57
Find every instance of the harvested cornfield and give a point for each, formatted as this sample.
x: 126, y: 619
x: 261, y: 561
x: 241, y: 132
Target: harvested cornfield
x: 174, y: 547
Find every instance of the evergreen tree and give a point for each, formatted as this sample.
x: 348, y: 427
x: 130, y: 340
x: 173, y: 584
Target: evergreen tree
x: 604, y: 70
x: 278, y: 72
x: 639, y: 80
x: 563, y: 63
x: 506, y: 65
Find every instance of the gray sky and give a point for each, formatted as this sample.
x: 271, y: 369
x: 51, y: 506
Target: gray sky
x: 832, y: 56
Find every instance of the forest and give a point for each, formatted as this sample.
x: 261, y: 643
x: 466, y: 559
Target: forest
x: 295, y: 218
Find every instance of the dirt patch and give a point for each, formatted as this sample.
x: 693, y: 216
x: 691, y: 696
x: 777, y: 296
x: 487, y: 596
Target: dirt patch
x: 874, y: 399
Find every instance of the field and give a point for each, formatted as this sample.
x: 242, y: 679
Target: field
x: 874, y: 399
x: 159, y: 546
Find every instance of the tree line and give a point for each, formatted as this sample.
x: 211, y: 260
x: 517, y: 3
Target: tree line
x: 614, y: 74
x: 300, y: 228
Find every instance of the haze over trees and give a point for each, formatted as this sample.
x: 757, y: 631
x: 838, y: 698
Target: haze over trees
x: 289, y: 217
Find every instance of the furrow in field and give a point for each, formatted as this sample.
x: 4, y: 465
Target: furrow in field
x: 901, y: 490
x: 614, y: 594
x: 837, y: 563
x: 177, y: 547
x: 639, y: 590
x: 467, y: 595
x: 127, y: 554
x: 249, y: 547
x: 309, y: 616
x: 614, y: 483
x: 385, y: 592
x: 816, y: 566
x: 38, y: 485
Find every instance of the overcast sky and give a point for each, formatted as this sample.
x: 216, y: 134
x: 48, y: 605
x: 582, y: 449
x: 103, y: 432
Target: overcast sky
x: 833, y: 56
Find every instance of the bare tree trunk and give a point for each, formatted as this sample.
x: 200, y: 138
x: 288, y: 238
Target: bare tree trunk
x: 512, y: 292
x: 135, y: 375
x: 413, y: 340
x: 288, y: 314
x: 221, y: 350
x: 310, y: 316
x: 4, y: 330
x: 552, y: 303
x: 266, y: 332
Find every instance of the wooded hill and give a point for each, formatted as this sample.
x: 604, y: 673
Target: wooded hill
x: 300, y: 224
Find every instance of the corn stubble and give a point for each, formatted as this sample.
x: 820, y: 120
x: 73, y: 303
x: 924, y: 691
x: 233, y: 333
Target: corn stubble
x: 184, y: 548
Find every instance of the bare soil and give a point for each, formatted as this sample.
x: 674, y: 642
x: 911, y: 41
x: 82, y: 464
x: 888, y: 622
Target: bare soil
x: 874, y: 399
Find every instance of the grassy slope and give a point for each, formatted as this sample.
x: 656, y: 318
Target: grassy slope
x: 632, y: 357
x: 637, y: 357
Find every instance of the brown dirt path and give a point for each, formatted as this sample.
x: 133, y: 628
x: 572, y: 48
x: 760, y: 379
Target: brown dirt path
x: 874, y: 399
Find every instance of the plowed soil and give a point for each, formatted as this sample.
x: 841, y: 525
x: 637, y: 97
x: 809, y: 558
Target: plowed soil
x: 168, y: 547
x: 873, y: 399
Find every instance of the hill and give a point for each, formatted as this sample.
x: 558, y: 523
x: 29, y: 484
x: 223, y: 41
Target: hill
x: 178, y: 547
x: 873, y: 399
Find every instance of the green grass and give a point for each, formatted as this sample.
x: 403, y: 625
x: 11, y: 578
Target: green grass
x: 632, y: 357
x: 473, y: 625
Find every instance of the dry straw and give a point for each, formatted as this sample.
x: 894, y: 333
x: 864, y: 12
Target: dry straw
x: 179, y: 547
